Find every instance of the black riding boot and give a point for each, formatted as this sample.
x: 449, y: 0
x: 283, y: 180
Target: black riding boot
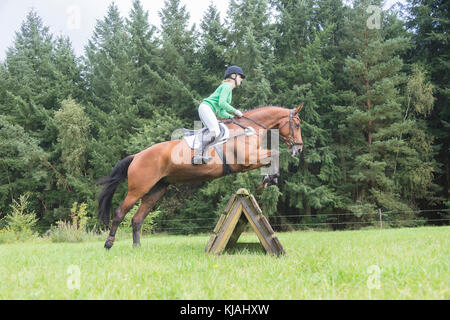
x: 199, y: 158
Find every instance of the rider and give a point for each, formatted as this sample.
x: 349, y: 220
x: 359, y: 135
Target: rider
x: 218, y: 104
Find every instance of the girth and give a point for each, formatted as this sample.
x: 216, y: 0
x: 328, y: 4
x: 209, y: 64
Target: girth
x: 226, y: 167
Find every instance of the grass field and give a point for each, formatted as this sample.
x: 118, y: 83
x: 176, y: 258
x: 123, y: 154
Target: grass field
x: 367, y: 264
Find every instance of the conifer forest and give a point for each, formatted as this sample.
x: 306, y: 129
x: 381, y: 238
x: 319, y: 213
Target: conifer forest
x: 374, y: 82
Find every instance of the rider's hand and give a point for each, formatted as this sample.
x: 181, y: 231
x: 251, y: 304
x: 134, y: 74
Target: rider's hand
x: 238, y: 114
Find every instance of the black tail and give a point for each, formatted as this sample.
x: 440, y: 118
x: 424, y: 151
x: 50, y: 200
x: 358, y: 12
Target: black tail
x: 118, y: 174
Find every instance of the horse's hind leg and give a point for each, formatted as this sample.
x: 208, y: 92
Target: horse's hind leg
x: 119, y: 214
x: 147, y: 203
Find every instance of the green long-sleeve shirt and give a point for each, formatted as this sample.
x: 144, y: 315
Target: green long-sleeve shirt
x: 220, y: 101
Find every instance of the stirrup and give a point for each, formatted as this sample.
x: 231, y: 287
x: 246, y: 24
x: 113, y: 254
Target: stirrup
x: 199, y: 159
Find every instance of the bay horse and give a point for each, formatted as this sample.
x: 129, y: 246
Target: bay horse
x: 150, y: 171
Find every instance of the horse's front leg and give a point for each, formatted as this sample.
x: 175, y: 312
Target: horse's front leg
x: 270, y: 168
x: 268, y: 161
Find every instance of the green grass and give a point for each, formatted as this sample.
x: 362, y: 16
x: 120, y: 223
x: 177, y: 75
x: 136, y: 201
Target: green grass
x: 412, y: 264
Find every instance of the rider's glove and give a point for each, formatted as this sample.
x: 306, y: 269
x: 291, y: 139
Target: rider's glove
x: 238, y: 114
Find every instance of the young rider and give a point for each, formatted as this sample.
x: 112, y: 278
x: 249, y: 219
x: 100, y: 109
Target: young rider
x: 218, y: 104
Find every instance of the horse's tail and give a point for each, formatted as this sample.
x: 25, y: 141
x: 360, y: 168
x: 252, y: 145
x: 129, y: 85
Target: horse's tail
x: 118, y: 174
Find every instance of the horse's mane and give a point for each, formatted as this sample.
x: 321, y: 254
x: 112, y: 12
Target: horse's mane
x: 262, y: 107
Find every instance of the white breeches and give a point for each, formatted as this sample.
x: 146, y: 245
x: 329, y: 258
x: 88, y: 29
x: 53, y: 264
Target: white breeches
x: 209, y: 119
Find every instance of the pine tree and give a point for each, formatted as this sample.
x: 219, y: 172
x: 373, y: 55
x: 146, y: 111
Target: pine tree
x: 178, y: 47
x: 30, y: 58
x: 108, y: 63
x: 253, y: 14
x: 178, y: 40
x: 213, y: 45
x: 4, y: 79
x: 249, y: 33
x: 109, y: 73
x: 428, y: 23
x: 40, y: 73
x: 31, y: 88
x: 250, y: 37
x: 68, y: 78
x: 304, y: 69
x: 381, y: 146
x: 293, y: 29
x: 147, y: 67
x: 174, y: 28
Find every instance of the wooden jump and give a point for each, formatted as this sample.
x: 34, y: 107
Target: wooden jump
x: 232, y: 223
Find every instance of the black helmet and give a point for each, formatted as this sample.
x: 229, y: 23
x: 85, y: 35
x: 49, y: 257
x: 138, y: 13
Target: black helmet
x: 234, y: 69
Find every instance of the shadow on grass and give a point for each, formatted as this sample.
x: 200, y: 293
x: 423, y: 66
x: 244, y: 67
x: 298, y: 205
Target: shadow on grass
x: 246, y: 248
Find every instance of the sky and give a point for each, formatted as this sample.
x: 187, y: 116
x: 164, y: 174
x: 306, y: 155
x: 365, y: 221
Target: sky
x: 77, y: 18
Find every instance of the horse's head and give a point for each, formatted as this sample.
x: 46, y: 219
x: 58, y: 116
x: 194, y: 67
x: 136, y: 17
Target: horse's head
x: 291, y: 132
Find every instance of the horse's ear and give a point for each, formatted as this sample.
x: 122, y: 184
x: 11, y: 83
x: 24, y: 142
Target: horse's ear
x: 298, y: 109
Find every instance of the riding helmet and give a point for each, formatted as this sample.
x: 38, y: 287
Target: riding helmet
x: 234, y: 69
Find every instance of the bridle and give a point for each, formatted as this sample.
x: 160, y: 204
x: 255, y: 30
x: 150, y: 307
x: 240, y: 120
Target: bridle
x: 291, y: 140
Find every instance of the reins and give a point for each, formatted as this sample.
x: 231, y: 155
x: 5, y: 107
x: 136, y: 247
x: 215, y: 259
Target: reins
x: 255, y: 122
x: 241, y: 125
x: 289, y: 140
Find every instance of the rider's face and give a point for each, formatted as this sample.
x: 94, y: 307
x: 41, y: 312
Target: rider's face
x: 239, y: 79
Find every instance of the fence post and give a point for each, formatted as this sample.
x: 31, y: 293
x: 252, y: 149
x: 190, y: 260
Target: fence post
x: 381, y: 218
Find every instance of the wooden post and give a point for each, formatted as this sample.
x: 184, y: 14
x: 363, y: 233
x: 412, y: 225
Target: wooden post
x: 381, y: 218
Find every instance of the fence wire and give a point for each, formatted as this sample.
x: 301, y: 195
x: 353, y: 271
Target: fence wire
x: 290, y: 225
x: 386, y: 213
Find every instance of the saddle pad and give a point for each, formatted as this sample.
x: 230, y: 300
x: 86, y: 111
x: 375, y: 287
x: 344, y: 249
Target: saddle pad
x: 194, y: 140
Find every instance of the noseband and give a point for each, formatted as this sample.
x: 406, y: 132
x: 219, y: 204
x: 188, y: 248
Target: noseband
x: 290, y: 140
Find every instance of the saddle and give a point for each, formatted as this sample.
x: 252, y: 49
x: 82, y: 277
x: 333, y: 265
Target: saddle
x: 193, y: 138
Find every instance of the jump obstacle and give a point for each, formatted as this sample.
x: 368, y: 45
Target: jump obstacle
x: 232, y: 223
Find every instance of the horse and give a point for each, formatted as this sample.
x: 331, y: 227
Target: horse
x: 152, y: 170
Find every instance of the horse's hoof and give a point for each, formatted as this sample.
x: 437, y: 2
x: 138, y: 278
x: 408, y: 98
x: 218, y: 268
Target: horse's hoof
x: 108, y: 245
